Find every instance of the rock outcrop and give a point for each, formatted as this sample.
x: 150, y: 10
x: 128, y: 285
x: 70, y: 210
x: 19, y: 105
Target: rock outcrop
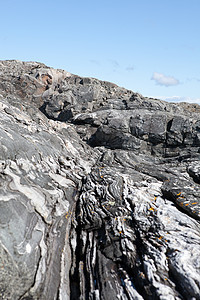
x: 99, y: 190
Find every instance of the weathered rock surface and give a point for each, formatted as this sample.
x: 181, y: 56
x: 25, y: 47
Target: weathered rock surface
x: 99, y: 190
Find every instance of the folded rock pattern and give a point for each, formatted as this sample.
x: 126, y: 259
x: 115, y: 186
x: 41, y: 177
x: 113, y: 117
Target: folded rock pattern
x: 99, y: 190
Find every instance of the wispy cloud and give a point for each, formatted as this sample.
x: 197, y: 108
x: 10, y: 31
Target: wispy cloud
x: 192, y: 79
x: 130, y: 68
x: 164, y: 80
x: 114, y: 63
x: 179, y: 99
x: 94, y: 61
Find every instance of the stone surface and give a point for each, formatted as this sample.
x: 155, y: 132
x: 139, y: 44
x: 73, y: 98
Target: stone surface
x: 99, y: 190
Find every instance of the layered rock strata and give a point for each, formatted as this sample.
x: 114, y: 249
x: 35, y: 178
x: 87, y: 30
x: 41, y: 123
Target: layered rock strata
x: 99, y: 190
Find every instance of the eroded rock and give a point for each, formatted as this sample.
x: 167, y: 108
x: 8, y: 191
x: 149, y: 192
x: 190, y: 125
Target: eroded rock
x: 99, y: 190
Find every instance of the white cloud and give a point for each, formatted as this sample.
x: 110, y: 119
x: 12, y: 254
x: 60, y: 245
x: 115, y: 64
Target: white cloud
x: 161, y: 79
x: 179, y: 99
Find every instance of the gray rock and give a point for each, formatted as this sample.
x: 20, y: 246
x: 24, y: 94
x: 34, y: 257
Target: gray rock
x: 99, y: 190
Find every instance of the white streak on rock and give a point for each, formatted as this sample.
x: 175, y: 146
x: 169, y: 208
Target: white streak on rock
x: 61, y: 180
x: 37, y: 199
x: 28, y: 248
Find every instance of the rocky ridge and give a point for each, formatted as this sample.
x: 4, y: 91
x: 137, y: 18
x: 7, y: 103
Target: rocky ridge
x: 99, y: 190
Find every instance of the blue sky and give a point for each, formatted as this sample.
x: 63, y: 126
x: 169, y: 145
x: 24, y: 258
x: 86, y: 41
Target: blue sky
x: 149, y: 46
